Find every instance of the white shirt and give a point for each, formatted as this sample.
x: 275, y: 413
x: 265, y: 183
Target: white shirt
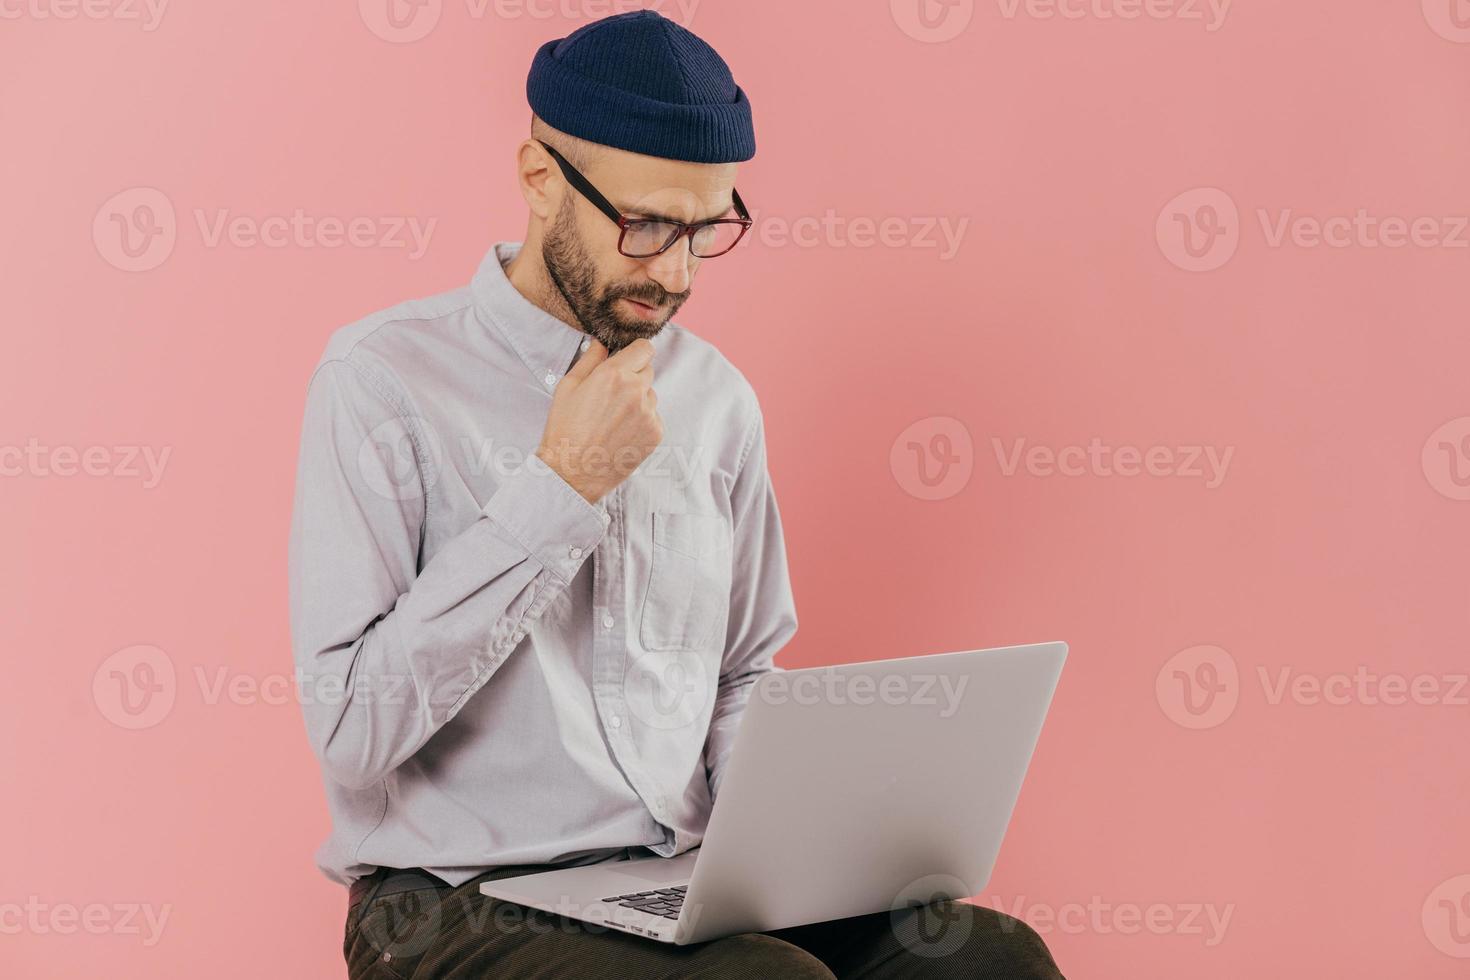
x: 495, y: 670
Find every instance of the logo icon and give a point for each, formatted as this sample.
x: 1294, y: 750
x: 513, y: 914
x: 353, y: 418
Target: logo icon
x: 1446, y: 459
x: 1450, y: 19
x: 135, y: 687
x: 404, y: 924
x: 135, y: 230
x: 1198, y: 687
x: 932, y: 21
x: 1199, y: 230
x: 667, y: 690
x: 927, y: 921
x: 400, y: 21
x: 1446, y: 917
x: 390, y: 466
x: 933, y: 458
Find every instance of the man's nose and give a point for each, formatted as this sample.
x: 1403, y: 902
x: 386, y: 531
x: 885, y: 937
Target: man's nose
x: 673, y: 268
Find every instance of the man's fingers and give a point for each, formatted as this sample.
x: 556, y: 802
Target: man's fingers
x: 635, y: 357
x: 594, y: 355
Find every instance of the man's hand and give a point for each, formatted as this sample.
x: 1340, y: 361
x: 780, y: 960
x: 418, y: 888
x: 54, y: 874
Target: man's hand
x: 604, y: 419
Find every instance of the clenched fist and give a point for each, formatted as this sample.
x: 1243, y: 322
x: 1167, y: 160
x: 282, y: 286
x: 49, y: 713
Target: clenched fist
x: 604, y: 419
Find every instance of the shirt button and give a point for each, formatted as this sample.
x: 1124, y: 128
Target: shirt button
x: 550, y: 379
x: 518, y: 635
x: 607, y: 622
x: 615, y: 721
x: 575, y: 553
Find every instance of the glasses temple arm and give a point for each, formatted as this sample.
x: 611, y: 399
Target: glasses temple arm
x: 582, y: 184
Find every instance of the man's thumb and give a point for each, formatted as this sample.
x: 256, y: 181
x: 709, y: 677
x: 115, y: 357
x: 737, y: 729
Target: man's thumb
x: 593, y: 355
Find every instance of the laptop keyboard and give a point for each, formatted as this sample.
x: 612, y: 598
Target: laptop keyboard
x: 666, y: 902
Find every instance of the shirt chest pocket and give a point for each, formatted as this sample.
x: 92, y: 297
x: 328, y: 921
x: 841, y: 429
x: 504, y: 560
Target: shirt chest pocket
x: 687, y: 604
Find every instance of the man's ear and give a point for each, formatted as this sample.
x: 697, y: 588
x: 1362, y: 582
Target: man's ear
x: 534, y: 171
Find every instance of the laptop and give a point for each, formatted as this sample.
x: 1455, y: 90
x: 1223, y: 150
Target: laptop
x: 850, y: 789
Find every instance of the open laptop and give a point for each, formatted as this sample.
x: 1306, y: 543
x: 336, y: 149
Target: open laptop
x: 851, y: 789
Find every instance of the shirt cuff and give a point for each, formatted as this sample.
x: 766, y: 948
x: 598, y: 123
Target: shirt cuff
x: 555, y: 524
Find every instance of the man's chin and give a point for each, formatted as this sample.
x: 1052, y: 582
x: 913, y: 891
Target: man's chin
x: 623, y: 332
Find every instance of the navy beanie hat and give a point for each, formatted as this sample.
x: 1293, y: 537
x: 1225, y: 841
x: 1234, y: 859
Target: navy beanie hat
x: 640, y: 82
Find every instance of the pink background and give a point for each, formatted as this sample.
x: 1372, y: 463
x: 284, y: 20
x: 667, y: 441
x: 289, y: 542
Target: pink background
x: 1332, y: 834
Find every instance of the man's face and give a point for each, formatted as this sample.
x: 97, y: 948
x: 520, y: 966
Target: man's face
x: 615, y: 298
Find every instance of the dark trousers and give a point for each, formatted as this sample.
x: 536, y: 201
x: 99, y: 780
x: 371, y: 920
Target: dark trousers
x: 409, y: 925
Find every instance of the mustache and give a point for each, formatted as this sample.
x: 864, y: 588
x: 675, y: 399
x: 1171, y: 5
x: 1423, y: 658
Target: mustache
x: 651, y: 293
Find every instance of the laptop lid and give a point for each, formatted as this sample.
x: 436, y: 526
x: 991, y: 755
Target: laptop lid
x: 857, y: 788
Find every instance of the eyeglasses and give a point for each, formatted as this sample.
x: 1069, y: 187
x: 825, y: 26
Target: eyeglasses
x: 643, y: 238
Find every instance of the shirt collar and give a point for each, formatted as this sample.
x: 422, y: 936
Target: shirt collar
x: 545, y: 344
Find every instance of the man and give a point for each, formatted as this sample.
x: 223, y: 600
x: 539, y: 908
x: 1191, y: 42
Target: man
x: 531, y: 589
